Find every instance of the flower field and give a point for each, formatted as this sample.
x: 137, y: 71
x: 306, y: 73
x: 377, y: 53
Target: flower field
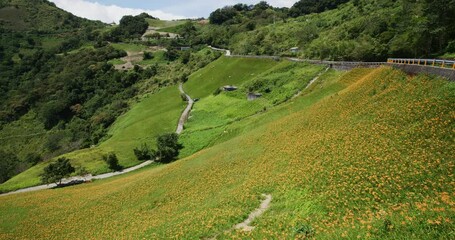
x: 368, y: 155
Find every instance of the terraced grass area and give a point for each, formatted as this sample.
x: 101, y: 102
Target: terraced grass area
x: 163, y: 23
x: 212, y: 114
x: 364, y: 155
x: 153, y: 115
x: 129, y: 47
x: 225, y: 71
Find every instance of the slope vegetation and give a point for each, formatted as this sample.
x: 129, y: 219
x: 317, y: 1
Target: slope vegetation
x: 153, y: 115
x: 364, y: 155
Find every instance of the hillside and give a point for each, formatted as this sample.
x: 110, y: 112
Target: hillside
x: 364, y: 154
x: 335, y: 30
x: 39, y: 16
x: 155, y: 114
x: 283, y: 147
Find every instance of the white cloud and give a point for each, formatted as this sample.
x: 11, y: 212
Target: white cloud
x: 107, y: 14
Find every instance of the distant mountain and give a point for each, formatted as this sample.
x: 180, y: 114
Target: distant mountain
x: 39, y: 16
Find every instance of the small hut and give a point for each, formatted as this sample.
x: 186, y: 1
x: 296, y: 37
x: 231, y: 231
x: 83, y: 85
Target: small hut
x: 253, y: 96
x: 229, y: 88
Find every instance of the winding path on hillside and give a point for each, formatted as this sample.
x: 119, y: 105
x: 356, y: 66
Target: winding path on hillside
x: 311, y: 83
x: 246, y: 224
x: 86, y: 178
x: 186, y: 112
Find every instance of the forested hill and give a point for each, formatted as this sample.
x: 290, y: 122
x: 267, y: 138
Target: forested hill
x: 40, y: 16
x: 338, y: 30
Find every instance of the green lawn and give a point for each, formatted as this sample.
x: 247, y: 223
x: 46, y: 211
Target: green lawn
x: 116, y: 61
x: 158, y: 57
x: 225, y: 71
x: 129, y: 47
x: 163, y: 23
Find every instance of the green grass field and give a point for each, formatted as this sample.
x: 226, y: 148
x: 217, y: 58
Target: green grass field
x: 158, y: 57
x: 163, y: 23
x: 212, y: 114
x: 225, y: 71
x: 362, y: 155
x: 129, y: 47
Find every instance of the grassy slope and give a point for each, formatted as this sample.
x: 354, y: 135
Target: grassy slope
x: 129, y: 47
x: 370, y: 160
x: 225, y: 71
x: 164, y: 24
x: 212, y: 115
x: 154, y: 115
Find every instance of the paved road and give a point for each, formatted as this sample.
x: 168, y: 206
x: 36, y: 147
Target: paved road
x: 186, y: 112
x: 228, y: 52
x: 84, y: 178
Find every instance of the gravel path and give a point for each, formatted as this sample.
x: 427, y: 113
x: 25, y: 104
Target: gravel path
x: 311, y: 82
x: 245, y: 225
x: 186, y: 112
x: 83, y: 178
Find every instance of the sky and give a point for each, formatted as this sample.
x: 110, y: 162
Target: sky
x: 110, y: 11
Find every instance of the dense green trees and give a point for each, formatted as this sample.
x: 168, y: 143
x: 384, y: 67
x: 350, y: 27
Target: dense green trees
x: 8, y: 164
x: 303, y: 7
x: 130, y: 27
x: 357, y: 30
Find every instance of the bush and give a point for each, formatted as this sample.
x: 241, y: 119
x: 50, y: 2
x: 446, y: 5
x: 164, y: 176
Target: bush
x: 148, y: 55
x: 112, y: 161
x: 55, y: 172
x: 142, y: 153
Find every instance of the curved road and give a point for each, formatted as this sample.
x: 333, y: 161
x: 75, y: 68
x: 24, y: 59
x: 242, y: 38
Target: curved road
x: 89, y: 177
x: 83, y: 178
x: 186, y: 112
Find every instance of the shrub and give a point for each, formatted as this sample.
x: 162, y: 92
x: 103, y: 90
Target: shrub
x: 148, y: 55
x: 112, y: 161
x: 142, y: 153
x: 55, y: 172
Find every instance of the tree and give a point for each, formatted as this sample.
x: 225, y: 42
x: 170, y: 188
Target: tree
x: 188, y: 29
x: 112, y: 161
x: 55, y: 172
x: 8, y: 164
x: 304, y: 7
x: 168, y: 148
